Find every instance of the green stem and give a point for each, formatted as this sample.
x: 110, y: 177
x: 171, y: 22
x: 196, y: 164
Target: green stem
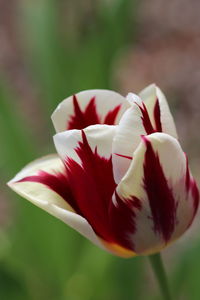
x: 158, y: 267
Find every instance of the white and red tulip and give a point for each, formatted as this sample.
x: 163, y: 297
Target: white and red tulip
x: 120, y: 177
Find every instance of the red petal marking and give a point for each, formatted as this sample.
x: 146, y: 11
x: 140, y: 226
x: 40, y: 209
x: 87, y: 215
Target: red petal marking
x: 124, y: 156
x: 82, y: 119
x: 122, y: 221
x: 111, y: 116
x: 149, y: 128
x: 93, y: 196
x: 157, y: 116
x: 161, y: 200
x: 56, y: 182
x: 92, y: 185
x: 145, y: 119
x: 187, y: 175
x: 195, y: 195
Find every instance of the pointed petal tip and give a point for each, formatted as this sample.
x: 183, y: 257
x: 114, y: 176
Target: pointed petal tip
x: 9, y: 183
x: 133, y: 98
x: 12, y: 182
x: 148, y: 90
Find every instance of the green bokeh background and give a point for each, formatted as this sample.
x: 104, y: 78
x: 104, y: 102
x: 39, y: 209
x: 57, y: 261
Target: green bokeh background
x: 40, y: 257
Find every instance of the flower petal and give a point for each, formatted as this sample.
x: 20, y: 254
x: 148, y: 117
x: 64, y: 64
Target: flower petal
x: 43, y: 183
x: 90, y: 173
x: 158, y: 109
x: 157, y: 178
x: 89, y: 107
x: 126, y: 140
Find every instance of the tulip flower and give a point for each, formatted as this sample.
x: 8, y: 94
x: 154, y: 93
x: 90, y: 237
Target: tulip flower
x: 120, y: 177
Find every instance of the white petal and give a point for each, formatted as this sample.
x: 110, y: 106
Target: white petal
x: 173, y: 163
x: 105, y: 101
x: 126, y: 140
x: 149, y: 95
x: 47, y: 199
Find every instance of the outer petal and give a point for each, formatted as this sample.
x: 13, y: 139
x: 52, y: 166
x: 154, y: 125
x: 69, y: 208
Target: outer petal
x: 168, y: 201
x: 90, y: 172
x: 156, y: 104
x: 88, y: 108
x: 47, y: 194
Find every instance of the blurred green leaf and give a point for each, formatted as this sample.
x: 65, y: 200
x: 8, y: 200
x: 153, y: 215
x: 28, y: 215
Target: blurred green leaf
x: 11, y: 287
x: 18, y: 145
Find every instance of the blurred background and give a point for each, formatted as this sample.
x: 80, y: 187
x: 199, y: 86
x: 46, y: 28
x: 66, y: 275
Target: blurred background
x: 50, y: 49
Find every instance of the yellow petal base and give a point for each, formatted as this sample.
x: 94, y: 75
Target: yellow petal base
x: 119, y: 250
